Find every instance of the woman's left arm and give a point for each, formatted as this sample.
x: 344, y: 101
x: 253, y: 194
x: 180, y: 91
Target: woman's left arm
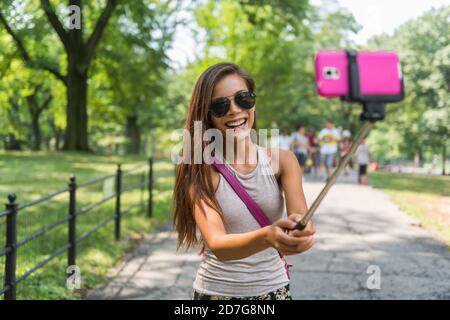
x: 290, y: 174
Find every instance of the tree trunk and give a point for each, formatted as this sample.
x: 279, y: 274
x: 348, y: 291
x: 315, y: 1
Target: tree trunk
x: 36, y: 130
x: 35, y: 113
x: 76, y: 136
x: 58, y: 140
x: 79, y: 55
x: 47, y: 143
x: 133, y: 133
x: 35, y: 109
x: 418, y: 158
x: 57, y: 133
x: 444, y: 157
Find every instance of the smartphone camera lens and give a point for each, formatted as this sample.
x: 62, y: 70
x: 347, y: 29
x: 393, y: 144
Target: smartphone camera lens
x: 331, y: 73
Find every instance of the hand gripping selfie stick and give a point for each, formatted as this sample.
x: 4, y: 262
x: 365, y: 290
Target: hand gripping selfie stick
x: 373, y: 110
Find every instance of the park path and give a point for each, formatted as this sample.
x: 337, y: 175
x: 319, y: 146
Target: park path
x: 356, y: 227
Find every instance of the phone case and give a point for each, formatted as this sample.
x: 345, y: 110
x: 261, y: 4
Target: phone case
x: 379, y: 74
x: 332, y: 73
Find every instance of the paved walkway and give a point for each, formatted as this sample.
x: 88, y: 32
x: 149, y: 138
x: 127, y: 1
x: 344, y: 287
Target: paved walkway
x: 358, y: 230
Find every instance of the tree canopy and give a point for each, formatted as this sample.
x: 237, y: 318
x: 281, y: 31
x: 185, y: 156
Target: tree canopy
x: 109, y: 85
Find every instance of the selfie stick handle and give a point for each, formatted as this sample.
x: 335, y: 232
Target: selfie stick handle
x: 341, y: 165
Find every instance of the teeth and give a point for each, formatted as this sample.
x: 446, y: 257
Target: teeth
x: 236, y: 123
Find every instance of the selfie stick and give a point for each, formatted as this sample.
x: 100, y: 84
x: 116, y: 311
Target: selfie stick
x: 373, y: 110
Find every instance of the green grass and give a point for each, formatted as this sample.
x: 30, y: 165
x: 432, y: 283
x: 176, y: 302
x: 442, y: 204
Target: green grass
x: 32, y: 175
x: 424, y: 197
x: 420, y: 183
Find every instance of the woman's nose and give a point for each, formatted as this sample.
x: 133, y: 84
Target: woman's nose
x: 234, y: 108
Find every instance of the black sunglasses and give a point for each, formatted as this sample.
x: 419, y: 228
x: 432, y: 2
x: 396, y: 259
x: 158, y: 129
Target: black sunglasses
x: 244, y: 99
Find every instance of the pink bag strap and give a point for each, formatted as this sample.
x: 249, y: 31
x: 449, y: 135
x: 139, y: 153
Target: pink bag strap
x: 252, y: 206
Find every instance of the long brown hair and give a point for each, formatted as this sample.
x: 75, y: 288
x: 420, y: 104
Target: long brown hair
x: 193, y: 182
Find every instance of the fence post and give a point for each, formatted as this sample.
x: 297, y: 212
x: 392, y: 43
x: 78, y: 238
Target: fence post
x: 117, y: 216
x: 150, y: 188
x: 11, y: 241
x: 72, y: 222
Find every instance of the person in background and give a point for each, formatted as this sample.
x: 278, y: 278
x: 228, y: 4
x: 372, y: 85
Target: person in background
x: 314, y: 150
x: 329, y: 138
x: 284, y: 140
x: 363, y: 158
x: 300, y: 145
x: 344, y: 148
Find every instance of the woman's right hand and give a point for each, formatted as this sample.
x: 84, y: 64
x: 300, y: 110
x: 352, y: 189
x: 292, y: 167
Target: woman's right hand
x: 278, y: 238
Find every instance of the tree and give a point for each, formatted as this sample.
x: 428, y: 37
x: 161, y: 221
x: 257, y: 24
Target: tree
x: 24, y: 97
x: 79, y: 54
x: 136, y: 86
x: 423, y: 118
x: 276, y: 41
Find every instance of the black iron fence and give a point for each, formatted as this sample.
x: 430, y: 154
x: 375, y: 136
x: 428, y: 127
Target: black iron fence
x: 143, y: 172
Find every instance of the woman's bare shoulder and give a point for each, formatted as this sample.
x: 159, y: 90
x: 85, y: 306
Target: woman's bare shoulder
x: 279, y: 159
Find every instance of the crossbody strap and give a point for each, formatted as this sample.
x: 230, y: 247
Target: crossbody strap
x: 252, y: 206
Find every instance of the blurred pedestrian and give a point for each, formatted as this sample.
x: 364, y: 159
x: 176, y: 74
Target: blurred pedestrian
x: 284, y: 140
x: 300, y: 144
x: 329, y: 138
x: 314, y: 150
x: 344, y: 148
x: 363, y: 158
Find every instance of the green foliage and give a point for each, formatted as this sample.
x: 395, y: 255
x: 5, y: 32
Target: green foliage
x: 422, y: 121
x: 278, y: 51
x: 134, y: 94
x: 126, y: 80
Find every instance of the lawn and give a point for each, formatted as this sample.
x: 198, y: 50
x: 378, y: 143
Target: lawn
x: 33, y: 175
x: 425, y: 197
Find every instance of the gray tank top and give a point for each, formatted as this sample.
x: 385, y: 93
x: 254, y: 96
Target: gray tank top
x: 261, y: 272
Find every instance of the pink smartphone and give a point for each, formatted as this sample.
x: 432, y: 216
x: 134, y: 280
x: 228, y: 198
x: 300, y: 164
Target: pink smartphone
x: 378, y: 75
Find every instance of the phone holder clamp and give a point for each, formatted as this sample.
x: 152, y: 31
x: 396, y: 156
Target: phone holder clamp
x: 373, y: 109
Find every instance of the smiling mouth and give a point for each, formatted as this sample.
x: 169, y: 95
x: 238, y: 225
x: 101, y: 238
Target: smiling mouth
x: 236, y: 124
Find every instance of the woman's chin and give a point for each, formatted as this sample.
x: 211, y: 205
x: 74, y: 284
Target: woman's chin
x: 241, y: 134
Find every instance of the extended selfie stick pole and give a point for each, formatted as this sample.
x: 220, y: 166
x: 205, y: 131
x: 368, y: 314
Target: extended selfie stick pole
x: 373, y: 110
x: 341, y: 165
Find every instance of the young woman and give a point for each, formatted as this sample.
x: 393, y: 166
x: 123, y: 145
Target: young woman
x: 240, y: 258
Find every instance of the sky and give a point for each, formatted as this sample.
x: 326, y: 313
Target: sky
x: 384, y: 16
x: 375, y: 17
